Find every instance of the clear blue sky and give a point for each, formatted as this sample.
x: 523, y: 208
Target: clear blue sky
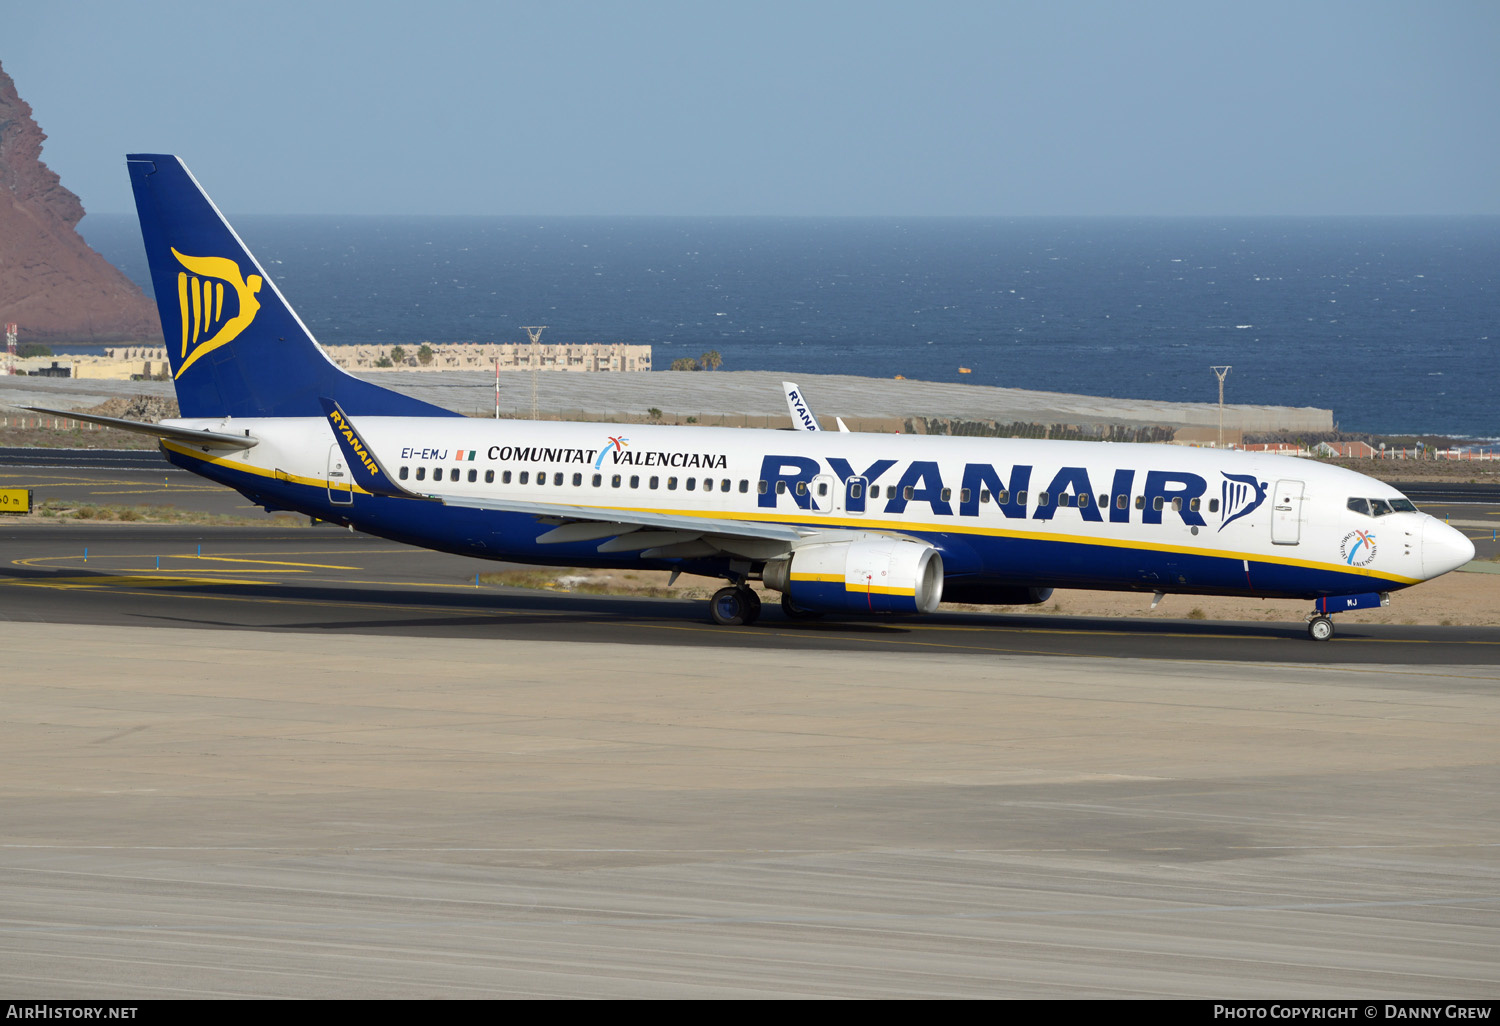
x: 799, y: 108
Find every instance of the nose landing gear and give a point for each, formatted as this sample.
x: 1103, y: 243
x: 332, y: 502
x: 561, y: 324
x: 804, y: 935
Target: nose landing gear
x: 1320, y: 626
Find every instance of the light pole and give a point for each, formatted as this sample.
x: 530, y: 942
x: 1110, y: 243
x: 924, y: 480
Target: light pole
x: 1221, y: 373
x: 534, y: 331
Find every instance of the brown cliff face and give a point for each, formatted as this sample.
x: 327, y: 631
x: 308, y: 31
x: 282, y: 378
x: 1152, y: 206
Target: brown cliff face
x: 51, y: 283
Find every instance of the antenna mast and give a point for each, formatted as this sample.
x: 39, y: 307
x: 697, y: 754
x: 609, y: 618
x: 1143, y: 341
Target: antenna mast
x: 1221, y: 373
x: 535, y: 332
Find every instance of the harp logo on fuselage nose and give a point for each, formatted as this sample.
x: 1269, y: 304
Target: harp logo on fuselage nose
x: 215, y: 302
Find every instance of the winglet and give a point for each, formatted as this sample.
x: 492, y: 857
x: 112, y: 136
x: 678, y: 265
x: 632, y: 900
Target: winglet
x: 367, y: 471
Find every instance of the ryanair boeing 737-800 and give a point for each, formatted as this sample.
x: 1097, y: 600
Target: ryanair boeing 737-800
x: 841, y: 523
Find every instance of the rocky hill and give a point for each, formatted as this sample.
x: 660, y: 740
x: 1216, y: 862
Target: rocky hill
x: 51, y: 283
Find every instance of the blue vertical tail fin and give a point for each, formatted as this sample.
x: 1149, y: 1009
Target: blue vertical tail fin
x: 235, y: 346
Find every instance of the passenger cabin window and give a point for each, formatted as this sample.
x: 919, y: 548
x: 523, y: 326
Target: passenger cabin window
x: 654, y: 483
x: 744, y: 484
x: 671, y: 484
x: 1043, y: 499
x: 692, y: 483
x: 557, y: 479
x: 421, y: 473
x: 1213, y: 505
x: 489, y: 477
x: 801, y: 487
x: 984, y: 495
x: 1157, y: 503
x: 453, y: 474
x: 855, y: 491
x: 947, y: 494
x: 598, y: 480
x: 505, y: 477
x: 1121, y: 501
x: 1083, y: 500
x: 525, y: 477
x: 402, y: 475
x: 635, y: 480
x: 823, y: 489
x: 473, y: 475
x: 577, y: 480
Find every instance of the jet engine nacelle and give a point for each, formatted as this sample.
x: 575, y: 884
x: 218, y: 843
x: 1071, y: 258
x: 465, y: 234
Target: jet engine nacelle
x: 867, y: 574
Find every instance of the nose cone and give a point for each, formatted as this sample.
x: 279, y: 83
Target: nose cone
x: 1443, y: 548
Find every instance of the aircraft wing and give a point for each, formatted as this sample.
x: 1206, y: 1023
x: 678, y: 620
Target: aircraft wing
x: 649, y: 533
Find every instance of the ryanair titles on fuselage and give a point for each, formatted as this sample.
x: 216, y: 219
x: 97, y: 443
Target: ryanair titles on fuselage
x: 1152, y: 492
x: 1181, y: 493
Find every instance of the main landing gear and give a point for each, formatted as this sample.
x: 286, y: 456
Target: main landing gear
x: 734, y: 606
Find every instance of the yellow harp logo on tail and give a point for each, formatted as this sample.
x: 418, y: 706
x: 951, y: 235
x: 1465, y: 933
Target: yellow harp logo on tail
x: 207, y: 323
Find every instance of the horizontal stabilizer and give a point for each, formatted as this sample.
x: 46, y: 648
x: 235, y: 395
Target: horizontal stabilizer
x: 187, y: 436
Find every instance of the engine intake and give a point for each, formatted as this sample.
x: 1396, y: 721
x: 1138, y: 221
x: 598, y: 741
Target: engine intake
x: 867, y: 574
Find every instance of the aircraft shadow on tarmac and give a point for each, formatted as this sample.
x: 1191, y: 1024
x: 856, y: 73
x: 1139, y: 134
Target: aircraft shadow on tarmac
x: 68, y: 594
x: 515, y: 607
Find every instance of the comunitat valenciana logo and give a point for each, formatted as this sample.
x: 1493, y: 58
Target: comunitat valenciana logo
x: 211, y: 314
x: 1358, y: 548
x: 615, y: 445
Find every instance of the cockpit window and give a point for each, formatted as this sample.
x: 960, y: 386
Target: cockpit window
x: 1380, y: 507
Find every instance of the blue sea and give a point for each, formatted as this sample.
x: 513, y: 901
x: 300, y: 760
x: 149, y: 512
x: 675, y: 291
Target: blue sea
x: 1387, y: 321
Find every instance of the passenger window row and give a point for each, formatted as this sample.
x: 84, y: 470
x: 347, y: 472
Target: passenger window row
x: 691, y: 484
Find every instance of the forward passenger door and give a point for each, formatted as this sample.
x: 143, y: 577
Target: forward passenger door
x: 1286, y: 513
